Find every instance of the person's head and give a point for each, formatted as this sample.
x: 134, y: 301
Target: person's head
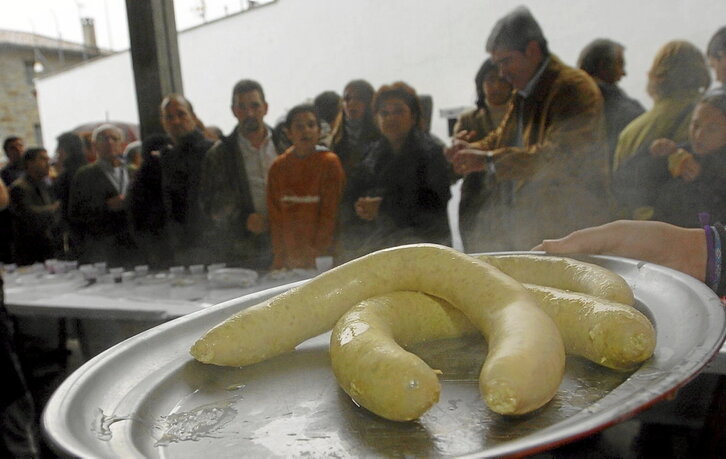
x: 716, y: 52
x: 14, y: 148
x: 679, y: 66
x: 357, y: 98
x: 70, y: 148
x: 491, y: 88
x: 707, y: 131
x: 249, y: 106
x: 36, y: 163
x: 398, y: 111
x: 132, y: 154
x: 603, y: 59
x: 108, y: 143
x: 177, y: 116
x: 302, y: 127
x: 327, y: 104
x: 517, y: 46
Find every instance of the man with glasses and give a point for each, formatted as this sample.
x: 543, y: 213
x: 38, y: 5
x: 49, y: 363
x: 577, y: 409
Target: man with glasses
x: 97, y: 202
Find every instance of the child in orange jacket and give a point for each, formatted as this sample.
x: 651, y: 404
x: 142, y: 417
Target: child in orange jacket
x: 304, y: 188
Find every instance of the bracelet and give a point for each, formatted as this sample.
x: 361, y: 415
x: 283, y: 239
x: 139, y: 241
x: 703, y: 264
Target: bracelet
x: 717, y: 260
x: 720, y: 289
x: 711, y: 278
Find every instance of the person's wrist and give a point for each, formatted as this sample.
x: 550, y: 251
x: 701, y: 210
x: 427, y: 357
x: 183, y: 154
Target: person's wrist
x: 695, y: 261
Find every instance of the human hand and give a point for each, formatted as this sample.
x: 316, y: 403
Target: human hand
x: 662, y: 147
x: 116, y: 203
x: 465, y: 135
x: 689, y: 169
x: 256, y: 223
x: 367, y: 207
x: 457, y: 145
x: 470, y: 160
x: 683, y: 249
x: 222, y: 213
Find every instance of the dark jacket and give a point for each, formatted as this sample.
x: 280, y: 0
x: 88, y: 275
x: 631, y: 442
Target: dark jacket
x: 676, y: 201
x: 181, y: 168
x: 414, y: 185
x: 224, y: 188
x: 36, y: 220
x: 620, y: 110
x: 105, y: 233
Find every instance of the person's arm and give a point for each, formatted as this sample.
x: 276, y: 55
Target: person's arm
x: 4, y: 197
x: 575, y: 127
x: 683, y: 249
x: 332, y: 190
x: 275, y: 217
x: 25, y: 207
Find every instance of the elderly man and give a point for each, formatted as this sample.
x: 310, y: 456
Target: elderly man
x: 551, y: 142
x: 604, y: 60
x: 97, y: 203
x: 35, y: 212
x: 181, y: 168
x: 234, y: 178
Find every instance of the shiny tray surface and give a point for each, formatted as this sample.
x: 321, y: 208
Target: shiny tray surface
x: 146, y: 397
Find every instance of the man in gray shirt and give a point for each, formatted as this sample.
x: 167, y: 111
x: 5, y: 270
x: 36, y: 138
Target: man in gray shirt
x: 234, y: 177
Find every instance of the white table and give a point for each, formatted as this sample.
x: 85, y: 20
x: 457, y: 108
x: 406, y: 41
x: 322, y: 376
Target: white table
x: 107, y: 313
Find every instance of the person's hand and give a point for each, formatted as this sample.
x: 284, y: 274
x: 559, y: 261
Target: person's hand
x: 464, y: 135
x: 222, y: 213
x: 662, y: 147
x: 456, y: 146
x: 470, y: 160
x: 683, y: 249
x: 256, y: 223
x: 116, y: 203
x: 367, y: 207
x: 689, y: 169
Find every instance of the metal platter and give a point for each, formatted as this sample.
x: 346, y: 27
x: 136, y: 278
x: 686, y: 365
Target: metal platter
x: 146, y: 397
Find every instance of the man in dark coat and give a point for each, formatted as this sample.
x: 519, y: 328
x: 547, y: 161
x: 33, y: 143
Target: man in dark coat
x: 181, y: 171
x: 13, y: 147
x: 35, y: 212
x: 97, y: 204
x: 604, y: 60
x: 234, y: 179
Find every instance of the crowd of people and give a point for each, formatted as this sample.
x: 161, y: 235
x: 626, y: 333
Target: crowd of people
x: 549, y: 149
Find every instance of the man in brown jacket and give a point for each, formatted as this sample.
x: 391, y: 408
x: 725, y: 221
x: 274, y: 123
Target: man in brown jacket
x: 551, y: 142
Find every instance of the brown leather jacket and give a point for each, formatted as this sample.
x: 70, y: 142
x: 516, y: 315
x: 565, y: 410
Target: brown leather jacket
x: 561, y: 167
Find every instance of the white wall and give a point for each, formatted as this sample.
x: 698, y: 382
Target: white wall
x: 96, y: 91
x: 299, y: 48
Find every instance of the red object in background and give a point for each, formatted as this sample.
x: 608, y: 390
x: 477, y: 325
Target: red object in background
x: 130, y: 130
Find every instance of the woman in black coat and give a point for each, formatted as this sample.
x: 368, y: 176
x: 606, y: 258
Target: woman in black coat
x: 401, y: 187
